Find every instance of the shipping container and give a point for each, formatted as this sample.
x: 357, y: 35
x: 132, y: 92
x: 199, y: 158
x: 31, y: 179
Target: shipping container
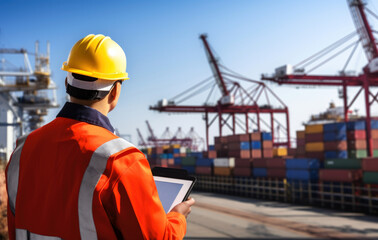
x: 239, y: 153
x: 242, y: 171
x: 238, y: 146
x: 336, y: 145
x: 335, y: 154
x: 267, y: 153
x: 188, y: 161
x: 315, y: 147
x: 268, y: 144
x: 357, y: 134
x: 224, y: 162
x: 338, y: 127
x: 266, y: 136
x: 315, y: 128
x: 370, y: 177
x: 205, y: 162
x: 276, y: 173
x: 255, y: 145
x: 374, y: 133
x: 275, y: 163
x: 300, y: 134
x: 314, y: 137
x: 256, y: 136
x: 203, y: 170
x: 302, y: 174
x: 348, y: 163
x: 280, y: 152
x: 357, y: 144
x: 358, y: 125
x: 334, y: 136
x: 357, y: 153
x: 339, y: 175
x: 256, y: 153
x: 259, y: 172
x: 222, y: 171
x: 302, y: 163
x: 370, y: 164
x: 242, y: 162
x: 190, y: 169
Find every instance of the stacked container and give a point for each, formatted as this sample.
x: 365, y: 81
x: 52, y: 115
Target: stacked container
x: 301, y: 144
x: 374, y: 136
x: 314, y: 141
x: 272, y: 168
x: 204, y: 166
x: 302, y: 169
x: 211, y: 153
x: 239, y: 146
x: 221, y: 147
x: 223, y: 166
x: 341, y: 170
x: 335, y: 140
x: 370, y: 170
x: 356, y: 134
x: 266, y: 145
x: 256, y: 152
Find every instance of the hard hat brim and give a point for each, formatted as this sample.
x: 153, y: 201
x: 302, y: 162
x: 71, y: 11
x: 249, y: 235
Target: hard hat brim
x: 105, y: 76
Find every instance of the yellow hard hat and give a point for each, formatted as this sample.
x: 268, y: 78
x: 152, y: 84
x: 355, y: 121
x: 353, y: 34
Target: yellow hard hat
x: 99, y: 57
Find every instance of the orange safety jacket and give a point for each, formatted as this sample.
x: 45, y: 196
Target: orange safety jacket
x: 74, y: 179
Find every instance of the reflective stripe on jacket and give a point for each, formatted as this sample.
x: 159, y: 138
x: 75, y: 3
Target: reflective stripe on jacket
x: 75, y: 180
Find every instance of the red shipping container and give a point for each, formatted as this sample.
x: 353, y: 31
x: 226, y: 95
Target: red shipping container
x: 276, y: 173
x: 164, y: 162
x: 370, y: 164
x: 211, y: 154
x: 267, y: 145
x: 157, y: 150
x: 301, y: 142
x: 243, y: 162
x: 201, y: 170
x: 240, y: 154
x: 259, y: 163
x: 235, y: 146
x: 238, y: 138
x: 375, y: 143
x: 256, y: 136
x: 335, y: 146
x: 275, y: 163
x: 356, y: 134
x: 374, y: 133
x: 301, y: 150
x: 318, y: 155
x: 357, y: 144
x: 222, y: 153
x: 267, y: 153
x: 291, y: 151
x: 314, y: 137
x: 171, y: 161
x: 256, y: 153
x: 220, y: 140
x: 242, y: 171
x: 339, y: 175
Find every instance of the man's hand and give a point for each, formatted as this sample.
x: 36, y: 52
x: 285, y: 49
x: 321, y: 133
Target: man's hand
x: 185, y: 207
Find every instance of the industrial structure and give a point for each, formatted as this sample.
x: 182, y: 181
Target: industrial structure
x: 235, y: 100
x: 296, y: 75
x: 25, y: 94
x: 191, y: 140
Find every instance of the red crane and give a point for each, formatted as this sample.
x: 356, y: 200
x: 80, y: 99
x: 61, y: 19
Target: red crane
x: 234, y: 100
x: 295, y: 75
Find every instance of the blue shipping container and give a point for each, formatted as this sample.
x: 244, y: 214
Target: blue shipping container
x: 374, y: 124
x: 206, y: 162
x: 190, y: 169
x: 359, y: 125
x: 195, y: 154
x: 169, y: 155
x: 266, y: 136
x: 211, y: 147
x: 259, y: 172
x: 163, y: 156
x: 244, y: 145
x: 256, y: 145
x: 334, y: 127
x: 302, y: 163
x: 177, y: 161
x: 334, y: 136
x: 303, y: 175
x: 336, y: 154
x: 176, y: 150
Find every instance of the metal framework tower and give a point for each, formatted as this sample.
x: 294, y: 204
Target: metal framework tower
x: 295, y: 75
x: 235, y: 100
x: 23, y: 97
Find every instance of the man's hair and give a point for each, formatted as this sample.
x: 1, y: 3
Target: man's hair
x: 84, y: 94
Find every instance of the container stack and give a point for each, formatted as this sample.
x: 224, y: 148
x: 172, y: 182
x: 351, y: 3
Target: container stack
x: 370, y: 170
x: 356, y: 134
x: 223, y: 166
x: 302, y: 169
x: 256, y: 146
x: 374, y: 136
x: 314, y: 141
x: 335, y: 140
x: 220, y: 146
x: 266, y: 145
x: 301, y: 144
x: 189, y: 162
x: 204, y: 166
x: 211, y: 153
x: 341, y: 170
x: 238, y: 146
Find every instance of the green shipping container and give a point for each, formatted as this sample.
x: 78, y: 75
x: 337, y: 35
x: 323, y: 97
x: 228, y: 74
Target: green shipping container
x: 342, y: 163
x: 370, y: 177
x: 188, y: 161
x: 375, y: 153
x: 357, y: 153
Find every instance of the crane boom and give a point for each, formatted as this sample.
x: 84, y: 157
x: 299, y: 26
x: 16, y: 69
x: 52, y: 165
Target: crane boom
x: 152, y: 137
x: 142, y: 142
x: 363, y: 29
x: 214, y: 66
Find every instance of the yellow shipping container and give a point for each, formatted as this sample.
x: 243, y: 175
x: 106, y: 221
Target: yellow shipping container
x: 176, y: 145
x: 279, y: 152
x: 222, y: 171
x: 316, y: 128
x: 301, y: 134
x: 149, y: 151
x: 315, y: 147
x: 165, y: 147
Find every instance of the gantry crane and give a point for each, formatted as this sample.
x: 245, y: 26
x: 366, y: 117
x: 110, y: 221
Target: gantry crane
x: 235, y: 99
x: 296, y: 75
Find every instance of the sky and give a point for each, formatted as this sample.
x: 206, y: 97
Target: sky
x: 165, y: 55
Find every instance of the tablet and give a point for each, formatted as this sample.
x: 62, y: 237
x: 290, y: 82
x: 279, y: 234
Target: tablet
x: 173, y: 186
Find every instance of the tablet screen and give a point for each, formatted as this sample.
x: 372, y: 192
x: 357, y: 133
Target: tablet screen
x: 171, y: 191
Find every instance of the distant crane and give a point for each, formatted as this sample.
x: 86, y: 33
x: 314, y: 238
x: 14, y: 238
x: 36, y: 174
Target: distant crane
x: 235, y: 100
x: 296, y: 75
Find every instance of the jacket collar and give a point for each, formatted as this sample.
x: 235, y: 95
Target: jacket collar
x: 86, y: 114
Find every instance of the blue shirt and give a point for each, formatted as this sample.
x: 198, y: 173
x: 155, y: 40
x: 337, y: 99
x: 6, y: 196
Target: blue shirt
x: 86, y: 114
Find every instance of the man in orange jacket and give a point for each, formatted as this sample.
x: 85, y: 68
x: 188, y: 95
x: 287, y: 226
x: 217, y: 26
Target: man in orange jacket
x: 74, y: 178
